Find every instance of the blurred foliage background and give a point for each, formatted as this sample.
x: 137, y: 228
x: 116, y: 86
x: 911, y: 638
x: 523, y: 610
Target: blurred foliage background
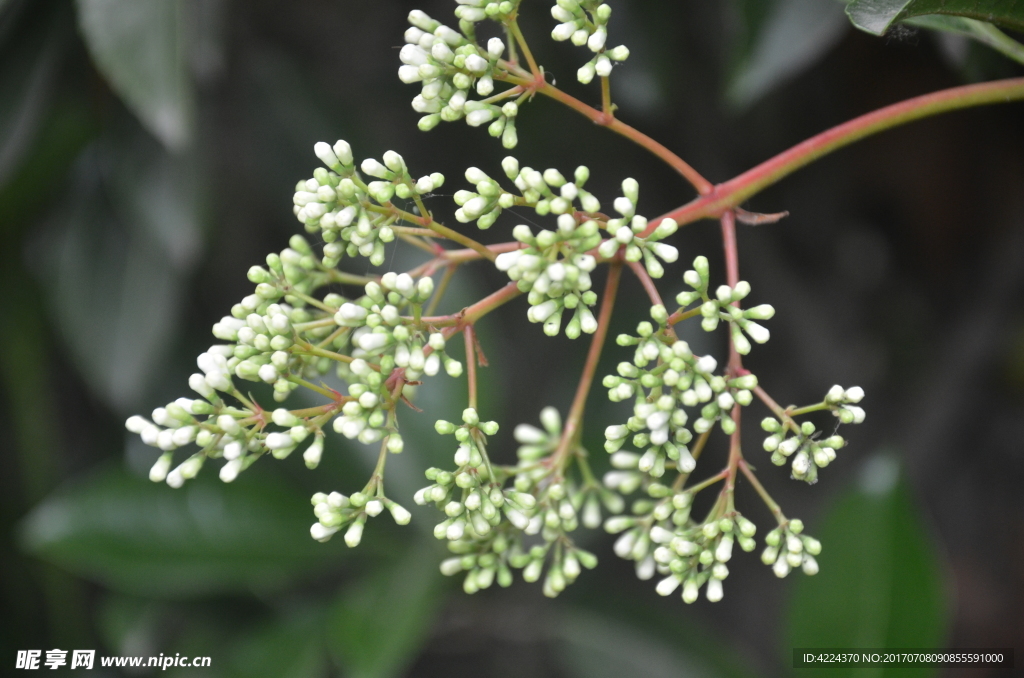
x: 148, y: 153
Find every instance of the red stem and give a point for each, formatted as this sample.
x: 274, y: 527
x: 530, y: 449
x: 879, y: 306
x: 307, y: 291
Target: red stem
x: 579, y: 403
x: 470, y: 365
x: 608, y: 120
x: 645, y: 279
x: 735, y: 450
x: 732, y: 276
x: 732, y: 193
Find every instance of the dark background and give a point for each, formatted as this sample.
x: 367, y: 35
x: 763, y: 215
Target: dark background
x: 900, y: 269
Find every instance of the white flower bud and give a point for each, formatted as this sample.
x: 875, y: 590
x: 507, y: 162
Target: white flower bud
x: 667, y: 585
x: 624, y: 544
x: 175, y: 479
x: 165, y: 439
x: 586, y: 73
x: 665, y: 252
x: 563, y: 31
x: 528, y: 435
x: 789, y: 446
x: 183, y: 436
x: 230, y: 470
x: 495, y: 47
x: 724, y: 551
x: 279, y: 441
x: 321, y: 532
x: 354, y: 534
x: 542, y: 312
x: 394, y: 162
x: 343, y: 151
x: 706, y: 365
x: 372, y: 341
x: 854, y: 394
x: 624, y: 206
x: 758, y: 333
x: 268, y: 373
x: 400, y: 514
x: 476, y: 64
x: 412, y: 55
x: 620, y: 53
x: 762, y: 312
x: 713, y: 590
x: 283, y: 417
x: 314, y: 452
x: 479, y: 117
x: 375, y: 169
x: 326, y: 154
x: 159, y: 470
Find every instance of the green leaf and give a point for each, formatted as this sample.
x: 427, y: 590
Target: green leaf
x: 790, y: 39
x: 596, y: 646
x: 880, y: 583
x: 114, y: 261
x: 141, y: 48
x: 208, y: 537
x: 289, y: 646
x: 379, y: 623
x: 29, y: 63
x: 878, y: 16
x: 985, y: 33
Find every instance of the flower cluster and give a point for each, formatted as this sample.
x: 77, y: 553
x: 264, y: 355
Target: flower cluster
x: 239, y: 436
x: 585, y: 22
x: 664, y: 378
x: 554, y: 266
x: 285, y: 336
x: 787, y: 548
x: 547, y: 192
x: 625, y: 232
x: 382, y: 338
x: 662, y: 538
x: 334, y: 511
x: 725, y: 306
x: 450, y: 64
x: 354, y: 217
x: 488, y: 525
x: 807, y: 452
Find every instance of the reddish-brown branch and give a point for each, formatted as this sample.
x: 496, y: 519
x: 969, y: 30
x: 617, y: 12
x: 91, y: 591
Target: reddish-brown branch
x: 735, y: 191
x: 579, y: 403
x: 732, y: 276
x: 606, y: 119
x: 735, y: 450
x: 468, y: 335
x: 645, y: 279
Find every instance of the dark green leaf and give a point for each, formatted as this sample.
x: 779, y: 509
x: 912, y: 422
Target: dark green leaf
x: 791, y: 38
x: 141, y: 49
x: 878, y: 16
x: 595, y: 646
x: 290, y: 646
x: 28, y: 65
x: 144, y: 538
x: 379, y: 623
x: 984, y: 33
x: 114, y: 262
x: 880, y: 583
